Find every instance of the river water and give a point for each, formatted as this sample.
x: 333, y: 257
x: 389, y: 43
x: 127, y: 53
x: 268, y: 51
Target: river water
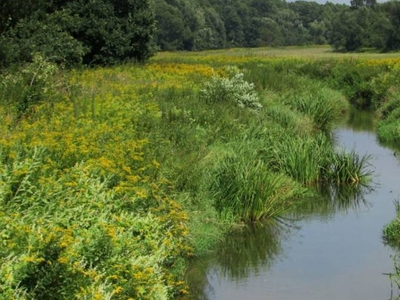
x: 333, y: 249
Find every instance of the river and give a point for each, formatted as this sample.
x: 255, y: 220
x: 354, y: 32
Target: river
x: 333, y: 249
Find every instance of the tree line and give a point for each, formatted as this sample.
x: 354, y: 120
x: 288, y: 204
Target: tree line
x: 213, y: 24
x: 110, y: 31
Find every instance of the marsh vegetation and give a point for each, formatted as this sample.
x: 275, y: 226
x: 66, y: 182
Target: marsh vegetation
x: 113, y: 178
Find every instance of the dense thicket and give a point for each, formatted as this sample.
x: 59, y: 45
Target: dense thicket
x: 74, y: 31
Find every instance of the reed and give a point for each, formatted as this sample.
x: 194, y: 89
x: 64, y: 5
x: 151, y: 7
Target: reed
x: 388, y: 129
x: 247, y: 187
x: 291, y: 120
x: 391, y: 231
x: 322, y: 104
x: 350, y: 168
x: 305, y: 159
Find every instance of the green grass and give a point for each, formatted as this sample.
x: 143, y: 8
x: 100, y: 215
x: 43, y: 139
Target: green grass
x: 388, y: 129
x: 307, y: 52
x: 246, y: 187
x: 350, y: 168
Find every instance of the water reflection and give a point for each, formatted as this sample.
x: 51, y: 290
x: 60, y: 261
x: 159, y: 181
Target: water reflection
x: 251, y: 249
x: 359, y: 121
x: 333, y: 198
x: 254, y: 248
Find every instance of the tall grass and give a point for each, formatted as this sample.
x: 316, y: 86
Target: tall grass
x: 323, y: 105
x: 287, y: 118
x: 388, y: 129
x: 246, y: 186
x: 350, y: 168
x: 304, y: 159
x: 391, y: 231
x: 249, y: 190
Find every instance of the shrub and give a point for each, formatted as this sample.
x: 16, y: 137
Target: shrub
x: 67, y: 234
x: 235, y: 90
x: 29, y: 84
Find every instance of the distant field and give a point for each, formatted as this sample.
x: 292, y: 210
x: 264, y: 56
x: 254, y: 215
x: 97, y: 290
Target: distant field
x: 294, y: 51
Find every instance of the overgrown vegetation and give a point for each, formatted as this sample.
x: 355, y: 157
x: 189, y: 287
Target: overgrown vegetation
x: 112, y: 178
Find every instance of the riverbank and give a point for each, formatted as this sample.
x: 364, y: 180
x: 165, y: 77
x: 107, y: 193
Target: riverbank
x: 132, y: 162
x: 328, y: 249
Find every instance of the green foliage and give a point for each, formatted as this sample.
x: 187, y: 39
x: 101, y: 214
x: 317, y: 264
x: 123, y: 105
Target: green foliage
x: 108, y: 185
x: 306, y: 159
x: 71, y: 32
x: 391, y: 237
x: 350, y: 168
x: 347, y: 32
x: 392, y: 10
x: 246, y: 186
x: 44, y: 34
x: 323, y: 105
x: 198, y: 25
x: 389, y: 126
x: 287, y: 118
x: 29, y: 85
x: 51, y: 253
x: 235, y: 90
x: 113, y: 30
x: 391, y: 232
x: 366, y: 85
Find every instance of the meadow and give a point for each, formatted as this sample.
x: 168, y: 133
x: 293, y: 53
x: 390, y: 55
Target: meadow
x: 112, y: 178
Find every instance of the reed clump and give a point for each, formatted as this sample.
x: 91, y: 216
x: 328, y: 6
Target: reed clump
x: 246, y: 187
x: 350, y: 168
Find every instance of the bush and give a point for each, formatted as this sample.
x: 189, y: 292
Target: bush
x: 235, y: 90
x: 28, y: 85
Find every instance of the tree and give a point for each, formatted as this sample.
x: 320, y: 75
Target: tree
x: 347, y: 34
x: 392, y: 11
x: 170, y: 27
x: 113, y: 30
x: 95, y: 32
x: 45, y: 34
x: 233, y: 26
x: 355, y: 4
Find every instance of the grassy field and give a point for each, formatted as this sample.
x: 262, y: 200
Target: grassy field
x: 315, y: 52
x: 111, y: 179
